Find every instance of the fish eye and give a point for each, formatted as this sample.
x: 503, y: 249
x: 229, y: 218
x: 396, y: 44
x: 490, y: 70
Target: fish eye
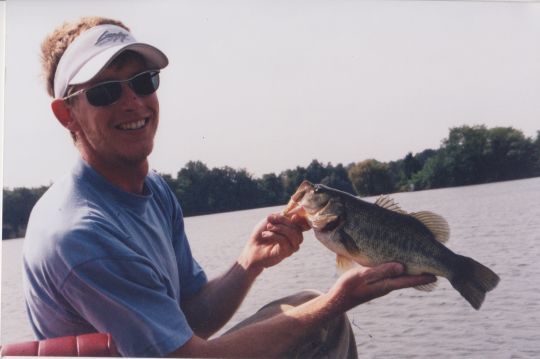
x: 317, y: 189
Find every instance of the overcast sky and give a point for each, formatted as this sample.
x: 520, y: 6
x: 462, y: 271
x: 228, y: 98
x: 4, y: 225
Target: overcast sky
x: 271, y: 85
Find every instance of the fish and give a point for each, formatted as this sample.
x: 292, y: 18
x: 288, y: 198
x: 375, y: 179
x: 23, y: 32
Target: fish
x: 369, y: 234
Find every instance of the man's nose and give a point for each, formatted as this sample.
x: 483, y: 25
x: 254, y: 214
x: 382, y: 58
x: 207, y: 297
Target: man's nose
x: 130, y: 98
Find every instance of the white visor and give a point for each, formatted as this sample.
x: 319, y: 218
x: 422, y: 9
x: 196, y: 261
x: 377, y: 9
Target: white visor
x: 93, y: 50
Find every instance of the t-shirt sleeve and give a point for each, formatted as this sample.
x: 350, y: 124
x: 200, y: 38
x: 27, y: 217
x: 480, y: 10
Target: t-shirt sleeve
x: 192, y: 276
x: 127, y: 298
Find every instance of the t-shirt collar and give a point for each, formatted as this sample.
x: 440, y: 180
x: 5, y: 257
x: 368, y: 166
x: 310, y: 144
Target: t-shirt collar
x: 93, y: 178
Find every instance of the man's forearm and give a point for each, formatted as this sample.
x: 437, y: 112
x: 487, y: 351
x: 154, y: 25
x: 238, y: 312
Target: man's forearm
x: 273, y: 240
x: 219, y: 299
x: 268, y: 338
x: 279, y: 334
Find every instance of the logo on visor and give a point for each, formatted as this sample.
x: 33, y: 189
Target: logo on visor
x: 108, y: 37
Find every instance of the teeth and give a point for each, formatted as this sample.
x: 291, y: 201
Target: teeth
x: 132, y: 125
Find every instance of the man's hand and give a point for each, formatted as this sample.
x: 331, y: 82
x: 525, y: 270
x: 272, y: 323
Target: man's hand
x: 360, y: 285
x: 272, y: 240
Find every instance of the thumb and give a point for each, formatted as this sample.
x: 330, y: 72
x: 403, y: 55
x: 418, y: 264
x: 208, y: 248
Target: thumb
x: 301, y: 222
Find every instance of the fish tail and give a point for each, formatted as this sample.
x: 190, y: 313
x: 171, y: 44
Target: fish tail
x: 473, y: 280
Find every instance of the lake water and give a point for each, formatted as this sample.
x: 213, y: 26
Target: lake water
x: 497, y: 224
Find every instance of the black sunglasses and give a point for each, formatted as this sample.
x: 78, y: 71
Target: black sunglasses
x: 107, y: 93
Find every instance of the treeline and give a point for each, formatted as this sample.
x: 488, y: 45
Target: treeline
x: 202, y: 190
x: 470, y: 155
x: 16, y: 207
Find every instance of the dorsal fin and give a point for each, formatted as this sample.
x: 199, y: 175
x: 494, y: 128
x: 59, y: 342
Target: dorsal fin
x: 435, y: 223
x: 385, y: 201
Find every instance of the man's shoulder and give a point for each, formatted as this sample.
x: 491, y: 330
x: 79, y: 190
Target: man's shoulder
x: 68, y: 214
x: 161, y: 189
x: 59, y: 219
x: 64, y: 202
x: 158, y: 181
x: 74, y: 235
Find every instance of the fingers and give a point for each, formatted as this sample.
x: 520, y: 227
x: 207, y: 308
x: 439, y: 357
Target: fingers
x: 296, y: 221
x: 385, y: 278
x: 291, y: 235
x: 287, y: 229
x: 388, y: 285
x: 259, y: 227
x: 301, y: 222
x: 383, y: 271
x: 391, y: 276
x: 408, y: 281
x: 283, y: 247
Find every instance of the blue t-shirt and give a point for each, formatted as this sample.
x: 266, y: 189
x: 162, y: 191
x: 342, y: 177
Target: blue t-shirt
x: 99, y: 259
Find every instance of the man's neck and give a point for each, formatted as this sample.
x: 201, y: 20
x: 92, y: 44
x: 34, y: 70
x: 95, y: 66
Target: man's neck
x: 128, y: 176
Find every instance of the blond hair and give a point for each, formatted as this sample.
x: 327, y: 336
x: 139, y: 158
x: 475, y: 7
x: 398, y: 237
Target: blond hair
x: 55, y: 44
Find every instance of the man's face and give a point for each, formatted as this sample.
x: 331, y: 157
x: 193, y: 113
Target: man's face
x: 121, y: 133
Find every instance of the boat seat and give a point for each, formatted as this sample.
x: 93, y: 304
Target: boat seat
x: 87, y: 345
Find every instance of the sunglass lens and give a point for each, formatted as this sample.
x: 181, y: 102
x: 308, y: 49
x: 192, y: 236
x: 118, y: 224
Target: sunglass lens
x: 108, y: 93
x: 105, y: 94
x: 146, y: 83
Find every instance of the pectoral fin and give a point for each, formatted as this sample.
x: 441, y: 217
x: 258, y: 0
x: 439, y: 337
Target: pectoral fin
x: 343, y: 264
x: 427, y: 287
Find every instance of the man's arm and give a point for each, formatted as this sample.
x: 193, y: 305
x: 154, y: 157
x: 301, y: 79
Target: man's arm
x: 276, y: 335
x: 272, y: 240
x: 218, y: 300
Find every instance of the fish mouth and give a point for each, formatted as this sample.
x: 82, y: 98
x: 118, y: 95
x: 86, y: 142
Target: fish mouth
x: 304, y: 187
x: 294, y: 206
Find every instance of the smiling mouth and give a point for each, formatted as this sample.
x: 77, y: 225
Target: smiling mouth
x: 135, y: 125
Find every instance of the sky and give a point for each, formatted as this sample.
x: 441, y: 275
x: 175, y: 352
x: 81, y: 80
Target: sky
x: 271, y: 85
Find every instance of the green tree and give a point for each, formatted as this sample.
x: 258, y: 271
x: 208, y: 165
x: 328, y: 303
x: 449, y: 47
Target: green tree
x: 333, y: 176
x: 192, y: 188
x: 509, y: 154
x: 465, y: 155
x: 434, y: 173
x: 16, y: 208
x: 411, y: 165
x: 537, y: 151
x: 338, y: 178
x: 229, y: 189
x: 271, y: 189
x: 291, y: 179
x: 316, y: 171
x: 371, y: 177
x: 475, y: 154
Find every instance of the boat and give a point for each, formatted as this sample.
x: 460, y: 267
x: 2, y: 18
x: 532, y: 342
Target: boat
x: 85, y: 345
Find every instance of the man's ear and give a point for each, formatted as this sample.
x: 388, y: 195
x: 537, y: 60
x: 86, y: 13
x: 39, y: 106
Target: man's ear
x: 63, y: 114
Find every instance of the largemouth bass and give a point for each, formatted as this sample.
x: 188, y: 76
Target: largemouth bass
x: 374, y: 233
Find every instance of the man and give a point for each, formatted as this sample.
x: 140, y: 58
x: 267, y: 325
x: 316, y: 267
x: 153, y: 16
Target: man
x: 106, y: 249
